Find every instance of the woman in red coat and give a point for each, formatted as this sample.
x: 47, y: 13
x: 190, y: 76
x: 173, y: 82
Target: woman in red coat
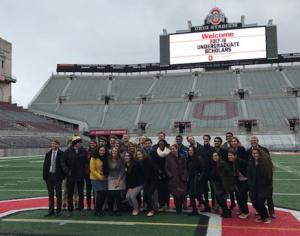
x: 176, y: 170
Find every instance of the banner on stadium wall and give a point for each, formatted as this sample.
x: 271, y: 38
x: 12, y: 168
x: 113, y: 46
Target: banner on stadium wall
x: 108, y: 132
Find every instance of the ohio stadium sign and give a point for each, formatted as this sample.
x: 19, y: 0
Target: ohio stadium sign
x: 215, y: 17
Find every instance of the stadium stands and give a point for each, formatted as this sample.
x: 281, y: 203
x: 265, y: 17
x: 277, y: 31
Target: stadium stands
x: 18, y: 118
x: 53, y: 87
x: 214, y: 106
x: 130, y: 87
x: 263, y: 81
x: 86, y: 88
x: 173, y: 86
x: 120, y: 115
x: 293, y: 74
x: 216, y: 83
x: 272, y: 112
x: 162, y: 115
x: 22, y: 129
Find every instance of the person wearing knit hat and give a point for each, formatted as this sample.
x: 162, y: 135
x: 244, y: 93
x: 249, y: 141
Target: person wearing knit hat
x: 74, y: 164
x: 76, y: 139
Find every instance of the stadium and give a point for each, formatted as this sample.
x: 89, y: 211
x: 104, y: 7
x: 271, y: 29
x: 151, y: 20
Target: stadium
x: 211, y: 79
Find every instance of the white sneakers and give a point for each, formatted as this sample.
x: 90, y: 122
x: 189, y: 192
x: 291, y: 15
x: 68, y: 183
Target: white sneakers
x: 150, y: 213
x: 243, y: 216
x: 135, y: 212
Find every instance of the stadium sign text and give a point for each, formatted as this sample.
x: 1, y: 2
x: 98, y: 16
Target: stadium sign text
x: 215, y: 20
x: 216, y: 27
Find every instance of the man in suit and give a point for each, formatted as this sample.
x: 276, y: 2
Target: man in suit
x: 53, y: 176
x: 74, y: 164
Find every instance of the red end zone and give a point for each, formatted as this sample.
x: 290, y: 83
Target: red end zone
x: 285, y: 224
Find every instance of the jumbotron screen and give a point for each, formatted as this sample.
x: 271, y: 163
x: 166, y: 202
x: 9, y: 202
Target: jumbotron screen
x: 222, y: 45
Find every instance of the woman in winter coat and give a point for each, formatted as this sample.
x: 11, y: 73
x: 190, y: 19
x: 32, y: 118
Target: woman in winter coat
x: 197, y: 179
x: 176, y: 171
x: 260, y: 179
x: 150, y: 173
x: 224, y: 183
x: 116, y: 181
x: 134, y: 181
x: 98, y: 177
x: 241, y: 163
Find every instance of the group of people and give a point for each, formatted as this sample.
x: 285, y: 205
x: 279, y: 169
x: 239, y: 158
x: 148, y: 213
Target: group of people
x: 127, y: 176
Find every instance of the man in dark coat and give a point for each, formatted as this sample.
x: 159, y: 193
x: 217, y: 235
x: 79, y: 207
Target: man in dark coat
x: 218, y: 148
x: 207, y: 154
x: 203, y: 152
x: 74, y: 164
x: 192, y: 141
x: 254, y: 142
x: 228, y: 136
x: 183, y: 150
x: 53, y: 176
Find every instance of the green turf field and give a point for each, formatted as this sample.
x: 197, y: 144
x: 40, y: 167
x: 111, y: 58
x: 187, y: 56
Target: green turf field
x: 161, y: 224
x: 21, y: 178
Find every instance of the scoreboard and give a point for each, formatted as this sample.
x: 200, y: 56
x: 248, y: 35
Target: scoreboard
x: 222, y: 45
x: 219, y: 41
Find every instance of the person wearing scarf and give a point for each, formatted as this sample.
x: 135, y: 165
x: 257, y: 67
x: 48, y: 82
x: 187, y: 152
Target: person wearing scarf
x: 159, y: 157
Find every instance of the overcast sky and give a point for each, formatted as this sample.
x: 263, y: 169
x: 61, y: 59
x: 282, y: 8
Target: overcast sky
x: 48, y: 32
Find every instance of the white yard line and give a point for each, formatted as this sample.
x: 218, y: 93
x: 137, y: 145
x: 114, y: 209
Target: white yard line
x: 21, y: 210
x: 16, y: 171
x: 5, y: 166
x: 13, y: 177
x: 126, y: 223
x: 15, y: 166
x: 288, y: 162
x: 21, y: 157
x: 101, y: 222
x: 287, y: 179
x: 23, y: 199
x: 23, y: 190
x: 288, y: 169
x: 214, y: 224
x: 287, y: 194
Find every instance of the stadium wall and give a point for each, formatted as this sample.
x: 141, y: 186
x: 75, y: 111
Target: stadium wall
x: 10, y: 152
x: 5, y: 70
x: 273, y: 142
